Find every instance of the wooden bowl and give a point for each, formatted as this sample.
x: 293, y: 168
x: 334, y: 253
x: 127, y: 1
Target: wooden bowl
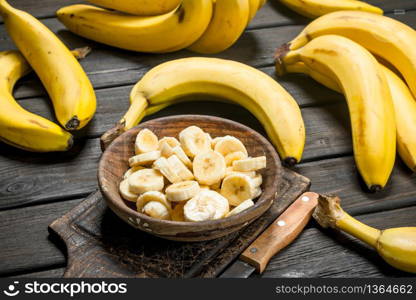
x: 114, y: 162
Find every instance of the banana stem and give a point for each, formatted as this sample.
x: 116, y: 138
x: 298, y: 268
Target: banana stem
x: 284, y: 56
x: 365, y: 233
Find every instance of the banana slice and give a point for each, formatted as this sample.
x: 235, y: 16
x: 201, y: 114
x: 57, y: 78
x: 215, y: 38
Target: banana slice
x: 146, y: 141
x: 152, y: 196
x: 144, y: 158
x: 156, y: 210
x: 167, y: 170
x: 257, y: 192
x: 209, y: 167
x: 207, y: 205
x: 178, y: 151
x: 131, y: 171
x: 237, y: 188
x: 145, y: 180
x: 233, y: 156
x: 194, y: 141
x: 230, y: 171
x: 243, y: 206
x: 229, y: 144
x: 171, y: 141
x: 257, y: 180
x: 214, y: 141
x: 125, y: 191
x: 166, y: 150
x: 177, y: 212
x: 180, y: 168
x: 182, y: 191
x: 250, y: 164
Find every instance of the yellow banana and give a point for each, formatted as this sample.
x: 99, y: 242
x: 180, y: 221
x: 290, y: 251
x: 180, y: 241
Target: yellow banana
x: 67, y: 84
x: 186, y: 79
x: 139, y: 7
x: 170, y: 32
x: 228, y: 22
x: 404, y: 107
x: 365, y: 87
x: 316, y: 8
x: 254, y: 5
x: 387, y: 38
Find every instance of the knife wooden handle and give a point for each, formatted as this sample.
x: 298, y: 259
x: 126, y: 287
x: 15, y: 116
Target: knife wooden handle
x: 281, y: 232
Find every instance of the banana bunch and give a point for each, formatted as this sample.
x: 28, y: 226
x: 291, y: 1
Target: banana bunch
x: 222, y: 80
x: 160, y: 26
x: 206, y: 176
x: 335, y: 51
x: 316, y: 8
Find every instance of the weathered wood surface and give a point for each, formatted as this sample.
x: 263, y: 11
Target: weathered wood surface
x: 29, y: 181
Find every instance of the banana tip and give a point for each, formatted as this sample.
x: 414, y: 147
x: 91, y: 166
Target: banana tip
x: 290, y: 161
x: 278, y: 58
x: 72, y: 124
x: 375, y: 188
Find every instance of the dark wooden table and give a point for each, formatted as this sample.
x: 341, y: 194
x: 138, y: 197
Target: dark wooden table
x: 35, y: 189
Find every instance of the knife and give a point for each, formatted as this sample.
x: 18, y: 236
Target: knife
x: 277, y: 236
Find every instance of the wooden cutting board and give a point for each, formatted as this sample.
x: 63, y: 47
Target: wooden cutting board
x: 100, y: 244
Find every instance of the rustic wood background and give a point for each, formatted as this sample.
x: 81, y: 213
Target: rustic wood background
x: 35, y: 189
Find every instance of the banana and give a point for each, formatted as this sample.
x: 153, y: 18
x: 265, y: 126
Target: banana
x: 231, y: 171
x: 176, y: 80
x: 146, y: 141
x: 144, y: 158
x: 233, y: 156
x: 125, y: 192
x: 229, y: 19
x: 166, y: 150
x: 130, y: 171
x: 67, y: 84
x: 164, y: 167
x: 180, y: 168
x: 177, y: 212
x: 250, y: 164
x: 194, y: 141
x: 156, y: 210
x: 254, y: 6
x: 229, y: 144
x: 257, y: 180
x: 404, y: 107
x: 154, y: 204
x: 178, y: 151
x: 209, y: 167
x: 206, y: 205
x: 139, y: 7
x: 169, y: 32
x: 257, y: 192
x: 316, y: 8
x: 243, y: 206
x: 171, y: 141
x: 387, y: 38
x: 237, y: 188
x: 214, y: 141
x: 145, y: 180
x: 182, y: 191
x: 368, y: 97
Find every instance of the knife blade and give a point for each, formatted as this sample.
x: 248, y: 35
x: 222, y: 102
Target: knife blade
x: 277, y: 236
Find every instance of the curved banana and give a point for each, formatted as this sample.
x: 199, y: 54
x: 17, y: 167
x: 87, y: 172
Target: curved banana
x: 316, y: 8
x: 139, y: 7
x: 254, y: 6
x: 365, y: 86
x: 21, y: 128
x: 387, y: 38
x: 404, y: 107
x: 228, y: 22
x: 170, y: 32
x: 185, y: 79
x: 67, y: 84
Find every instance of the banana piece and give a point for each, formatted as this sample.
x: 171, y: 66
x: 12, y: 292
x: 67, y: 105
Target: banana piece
x: 169, y: 32
x: 194, y: 140
x: 130, y: 171
x: 229, y: 144
x: 257, y: 192
x: 176, y: 80
x: 125, y: 192
x: 209, y: 167
x: 214, y: 141
x: 231, y: 171
x: 177, y: 212
x: 163, y: 166
x: 250, y: 164
x: 316, y: 8
x: 257, y: 180
x: 182, y: 191
x: 144, y: 158
x: 171, y: 141
x: 178, y: 151
x: 166, y: 150
x: 139, y: 7
x: 154, y: 204
x: 233, y: 156
x: 68, y: 86
x: 378, y: 34
x: 243, y: 206
x: 238, y: 188
x: 146, y: 141
x: 145, y: 180
x: 156, y: 210
x: 180, y: 168
x: 207, y: 205
x: 229, y: 19
x: 368, y: 96
x: 254, y: 7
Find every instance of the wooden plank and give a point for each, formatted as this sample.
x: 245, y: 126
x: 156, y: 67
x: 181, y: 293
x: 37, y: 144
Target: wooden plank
x: 328, y: 253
